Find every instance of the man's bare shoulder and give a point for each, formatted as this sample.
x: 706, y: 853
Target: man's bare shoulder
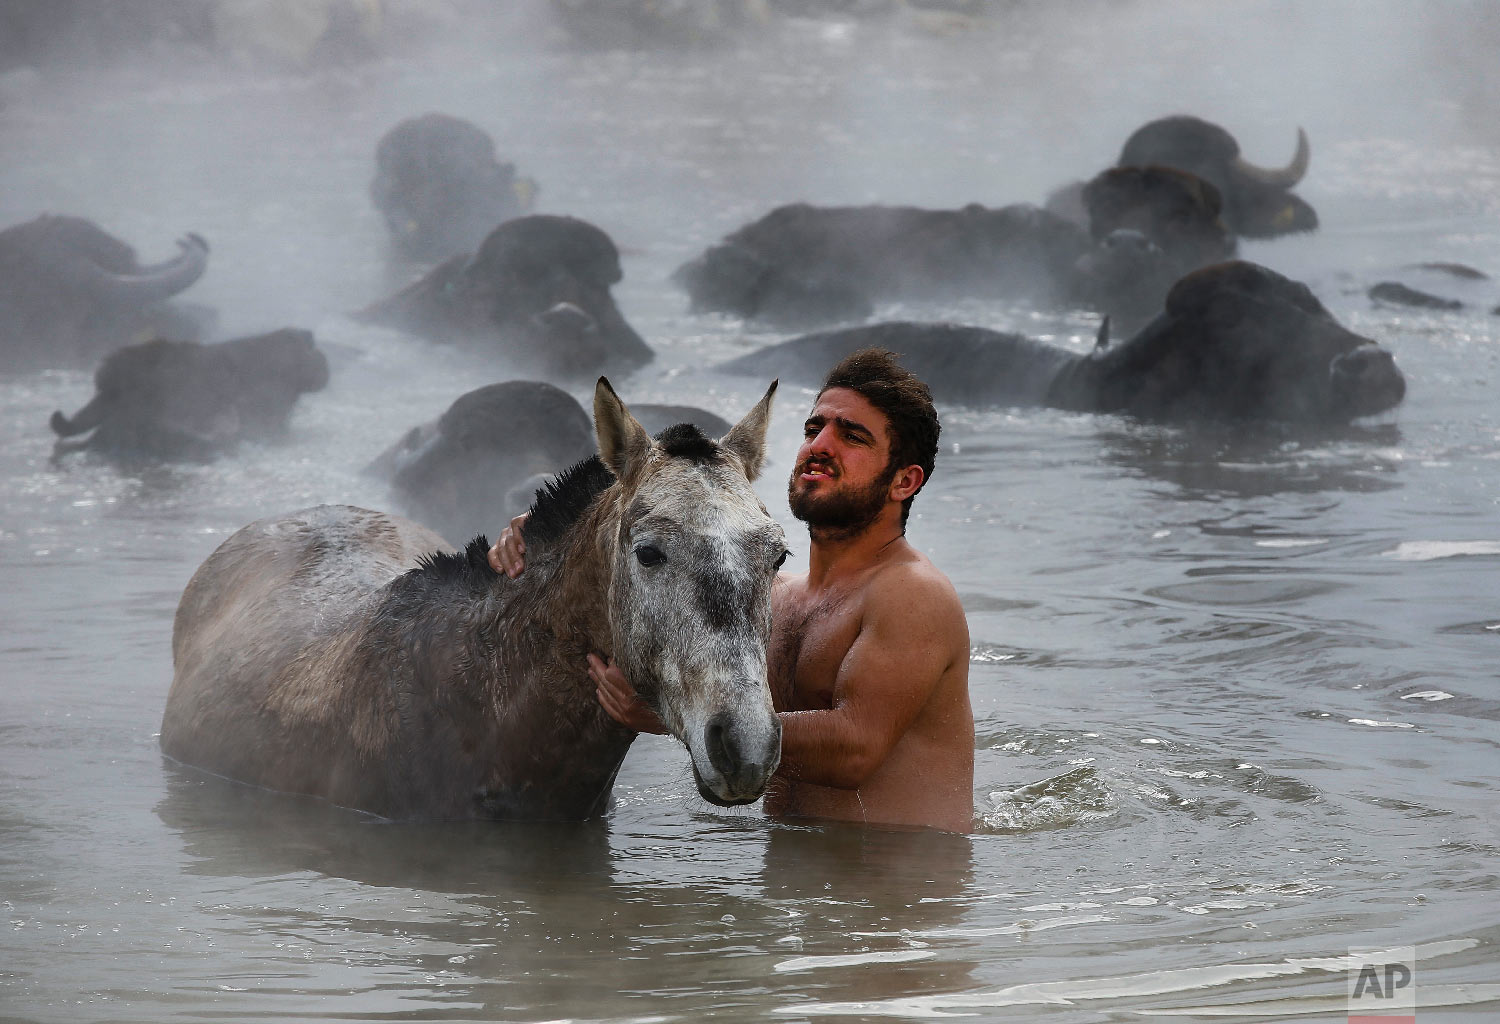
x: 910, y: 569
x: 910, y: 584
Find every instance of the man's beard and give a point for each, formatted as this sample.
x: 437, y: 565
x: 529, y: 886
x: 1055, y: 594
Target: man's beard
x: 840, y: 514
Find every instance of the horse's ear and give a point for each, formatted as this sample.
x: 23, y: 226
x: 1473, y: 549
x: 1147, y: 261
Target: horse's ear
x: 746, y: 440
x: 623, y: 442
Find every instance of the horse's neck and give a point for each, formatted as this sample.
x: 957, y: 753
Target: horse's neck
x: 564, y: 592
x: 509, y: 678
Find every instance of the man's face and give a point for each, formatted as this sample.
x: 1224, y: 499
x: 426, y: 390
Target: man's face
x: 842, y: 476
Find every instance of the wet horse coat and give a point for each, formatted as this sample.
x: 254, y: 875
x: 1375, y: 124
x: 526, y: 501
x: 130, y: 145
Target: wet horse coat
x: 342, y: 653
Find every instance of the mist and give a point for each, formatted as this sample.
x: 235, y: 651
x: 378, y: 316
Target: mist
x: 271, y: 158
x: 1234, y: 690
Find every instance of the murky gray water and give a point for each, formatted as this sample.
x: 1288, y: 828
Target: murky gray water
x: 1236, y: 695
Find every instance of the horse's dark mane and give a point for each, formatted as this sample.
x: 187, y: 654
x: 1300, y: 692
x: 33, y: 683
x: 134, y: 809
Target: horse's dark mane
x: 467, y: 567
x: 686, y: 441
x: 560, y: 504
x: 563, y: 500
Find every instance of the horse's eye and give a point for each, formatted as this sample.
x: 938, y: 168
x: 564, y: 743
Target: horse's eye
x: 648, y: 554
x: 782, y: 560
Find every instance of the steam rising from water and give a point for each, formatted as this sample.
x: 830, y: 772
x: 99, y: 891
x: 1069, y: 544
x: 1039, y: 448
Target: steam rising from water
x: 995, y: 109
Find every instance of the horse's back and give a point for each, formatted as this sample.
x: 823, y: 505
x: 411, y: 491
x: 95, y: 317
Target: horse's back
x: 260, y: 609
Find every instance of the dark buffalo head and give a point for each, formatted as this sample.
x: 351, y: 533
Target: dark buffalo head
x: 440, y: 187
x: 272, y: 370
x: 1258, y: 202
x: 70, y: 291
x: 166, y: 400
x: 482, y: 461
x: 1149, y: 225
x: 478, y: 464
x: 1239, y: 342
x: 538, y: 289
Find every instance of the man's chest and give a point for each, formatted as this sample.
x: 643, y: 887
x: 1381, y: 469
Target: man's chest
x: 810, y: 638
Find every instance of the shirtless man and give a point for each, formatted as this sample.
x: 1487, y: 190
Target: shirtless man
x: 869, y: 655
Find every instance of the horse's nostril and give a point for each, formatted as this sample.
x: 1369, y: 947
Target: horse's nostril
x: 742, y: 752
x: 718, y: 740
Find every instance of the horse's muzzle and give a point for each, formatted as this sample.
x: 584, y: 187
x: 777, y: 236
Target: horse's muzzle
x: 742, y: 750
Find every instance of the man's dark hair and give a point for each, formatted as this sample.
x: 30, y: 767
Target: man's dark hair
x: 904, y: 399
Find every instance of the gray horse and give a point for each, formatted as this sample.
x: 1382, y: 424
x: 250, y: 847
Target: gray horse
x: 339, y: 652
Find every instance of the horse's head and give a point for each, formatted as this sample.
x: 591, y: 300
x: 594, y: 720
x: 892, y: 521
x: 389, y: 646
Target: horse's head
x: 694, y: 553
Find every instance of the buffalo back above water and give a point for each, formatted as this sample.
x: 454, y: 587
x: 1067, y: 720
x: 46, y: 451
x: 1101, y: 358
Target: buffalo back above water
x: 1236, y: 342
x: 181, y: 400
x: 801, y: 265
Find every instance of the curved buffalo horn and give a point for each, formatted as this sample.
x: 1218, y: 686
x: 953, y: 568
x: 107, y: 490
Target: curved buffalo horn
x: 1284, y: 177
x: 149, y: 284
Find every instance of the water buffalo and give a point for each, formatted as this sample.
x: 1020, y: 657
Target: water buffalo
x: 1258, y: 202
x: 440, y: 188
x: 804, y: 264
x: 178, y: 400
x: 482, y: 461
x: 70, y: 292
x: 536, y: 293
x: 341, y: 653
x: 1236, y: 341
x: 1149, y: 226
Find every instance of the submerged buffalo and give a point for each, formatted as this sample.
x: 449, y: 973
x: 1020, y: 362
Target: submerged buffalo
x: 482, y: 461
x: 804, y: 264
x: 1438, y: 285
x: 181, y: 401
x: 340, y: 653
x: 1235, y: 342
x: 441, y: 189
x: 536, y: 293
x: 70, y: 292
x: 1258, y: 201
